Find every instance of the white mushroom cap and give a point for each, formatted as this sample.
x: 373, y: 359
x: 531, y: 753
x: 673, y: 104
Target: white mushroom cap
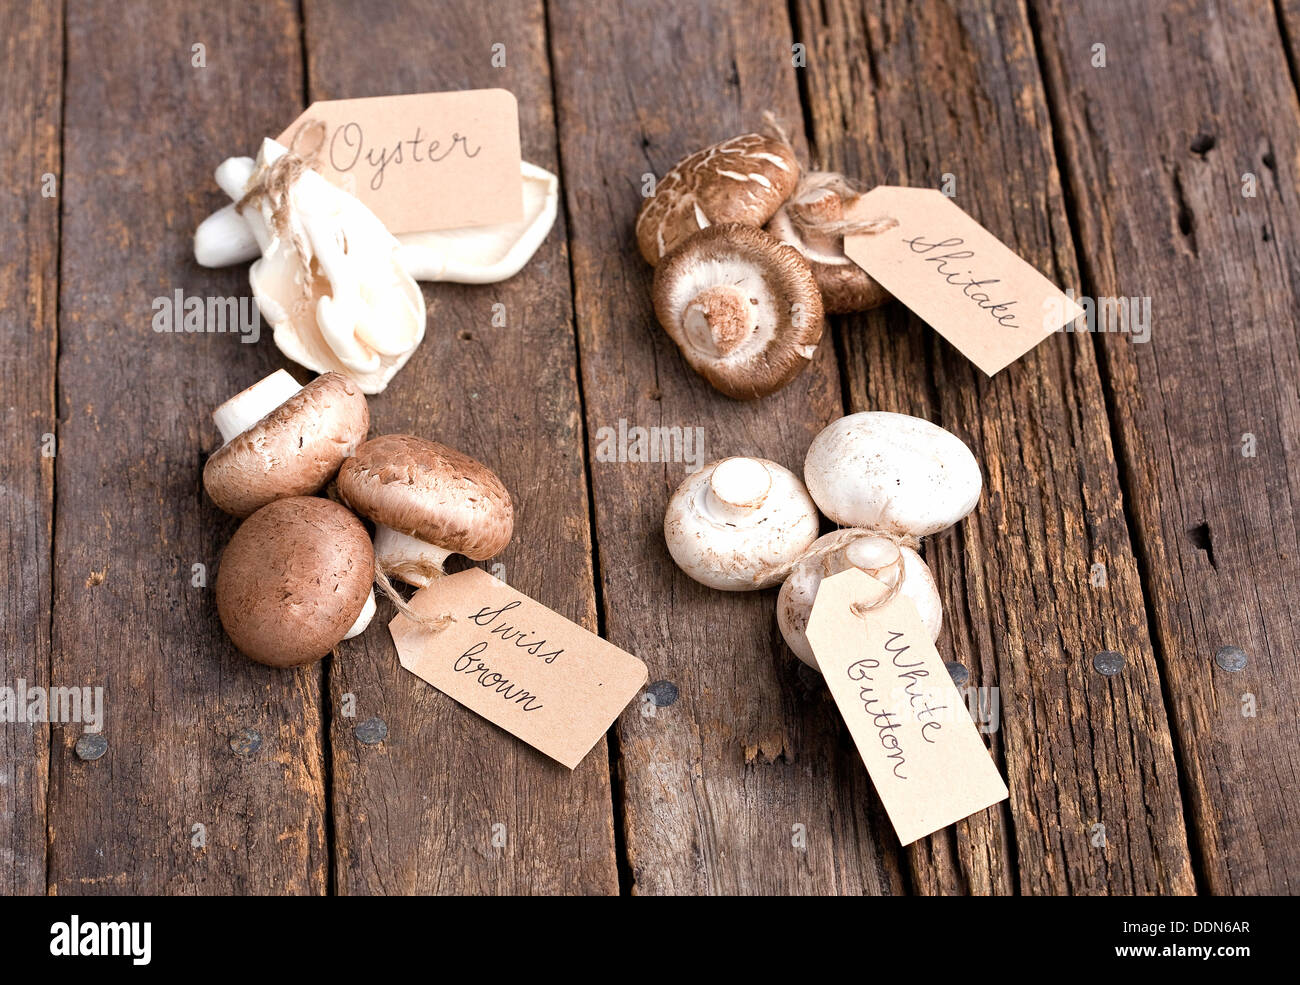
x: 735, y: 524
x: 879, y: 557
x: 892, y: 472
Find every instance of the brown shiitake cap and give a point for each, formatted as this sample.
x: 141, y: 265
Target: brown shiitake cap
x: 845, y: 286
x: 743, y: 308
x: 743, y: 180
x: 431, y: 492
x: 293, y: 580
x: 292, y: 451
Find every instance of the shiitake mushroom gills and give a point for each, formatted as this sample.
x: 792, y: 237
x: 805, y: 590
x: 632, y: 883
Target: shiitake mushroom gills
x: 743, y: 308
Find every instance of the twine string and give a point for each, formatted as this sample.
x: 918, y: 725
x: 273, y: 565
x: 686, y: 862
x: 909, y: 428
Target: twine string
x: 844, y: 539
x: 434, y: 624
x: 813, y: 185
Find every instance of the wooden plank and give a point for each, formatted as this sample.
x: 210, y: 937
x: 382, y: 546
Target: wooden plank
x: 718, y: 785
x: 1079, y: 749
x: 31, y: 63
x: 144, y: 128
x: 1159, y: 146
x: 420, y: 812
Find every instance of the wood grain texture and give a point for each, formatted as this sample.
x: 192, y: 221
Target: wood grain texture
x: 144, y: 129
x: 907, y: 95
x: 715, y: 785
x: 1158, y: 148
x: 31, y: 64
x: 419, y: 812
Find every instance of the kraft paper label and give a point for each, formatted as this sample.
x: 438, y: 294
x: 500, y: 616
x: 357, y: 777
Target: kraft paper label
x: 518, y: 664
x: 957, y: 276
x: 435, y: 160
x: 908, y: 720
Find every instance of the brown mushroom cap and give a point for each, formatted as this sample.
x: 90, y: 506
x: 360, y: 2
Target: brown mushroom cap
x: 743, y: 308
x: 431, y: 492
x: 293, y: 580
x: 845, y: 286
x: 743, y: 180
x: 292, y: 451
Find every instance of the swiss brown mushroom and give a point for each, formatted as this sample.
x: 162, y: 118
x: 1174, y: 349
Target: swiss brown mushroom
x: 742, y: 180
x: 295, y: 580
x: 813, y: 222
x: 283, y: 440
x: 427, y: 501
x: 743, y: 308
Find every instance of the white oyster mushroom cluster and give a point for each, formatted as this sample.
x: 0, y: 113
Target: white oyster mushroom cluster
x: 886, y: 479
x: 338, y: 289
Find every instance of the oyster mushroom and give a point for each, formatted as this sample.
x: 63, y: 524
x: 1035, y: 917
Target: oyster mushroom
x: 485, y: 254
x: 879, y: 557
x: 740, y: 180
x: 738, y: 523
x: 283, y: 440
x: 892, y: 472
x: 427, y: 501
x: 328, y: 281
x: 812, y: 221
x: 295, y: 580
x: 743, y: 308
x: 471, y: 255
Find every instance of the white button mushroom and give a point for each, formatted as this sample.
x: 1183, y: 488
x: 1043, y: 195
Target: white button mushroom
x: 878, y: 556
x: 743, y: 308
x: 892, y: 472
x: 737, y: 524
x: 283, y: 440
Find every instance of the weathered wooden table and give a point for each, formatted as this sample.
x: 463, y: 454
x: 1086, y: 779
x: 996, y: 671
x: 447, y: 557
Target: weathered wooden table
x: 1141, y: 497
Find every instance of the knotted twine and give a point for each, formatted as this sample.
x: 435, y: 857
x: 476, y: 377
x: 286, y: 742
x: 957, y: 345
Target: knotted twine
x: 433, y: 624
x: 272, y: 183
x: 812, y: 186
x: 840, y: 540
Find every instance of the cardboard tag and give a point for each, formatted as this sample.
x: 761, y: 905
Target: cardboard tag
x: 908, y: 720
x: 957, y: 276
x: 518, y: 664
x: 436, y: 160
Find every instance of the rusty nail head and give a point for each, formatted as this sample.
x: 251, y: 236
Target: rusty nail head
x: 91, y: 746
x: 372, y: 731
x: 1108, y: 662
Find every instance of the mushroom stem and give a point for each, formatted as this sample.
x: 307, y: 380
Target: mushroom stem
x: 233, y: 175
x: 719, y: 318
x: 410, y: 559
x: 737, y: 488
x: 247, y: 407
x: 878, y: 557
x: 363, y: 620
x: 223, y: 238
